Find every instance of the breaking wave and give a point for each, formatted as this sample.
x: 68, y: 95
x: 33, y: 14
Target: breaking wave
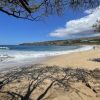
x: 4, y: 48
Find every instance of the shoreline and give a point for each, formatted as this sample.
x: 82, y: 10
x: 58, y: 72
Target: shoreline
x: 8, y: 62
x: 54, y: 78
x: 80, y: 59
x: 55, y: 60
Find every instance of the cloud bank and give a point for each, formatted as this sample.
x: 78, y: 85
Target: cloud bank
x: 79, y: 27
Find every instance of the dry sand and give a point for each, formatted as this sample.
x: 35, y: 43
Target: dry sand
x: 76, y: 60
x: 79, y: 90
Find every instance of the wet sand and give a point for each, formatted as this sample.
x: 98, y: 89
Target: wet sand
x: 82, y: 59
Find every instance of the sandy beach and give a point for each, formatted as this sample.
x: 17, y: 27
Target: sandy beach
x: 83, y: 59
x: 74, y: 76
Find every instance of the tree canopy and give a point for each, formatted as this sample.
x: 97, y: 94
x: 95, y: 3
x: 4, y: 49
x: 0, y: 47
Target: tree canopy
x: 36, y: 9
x: 96, y: 26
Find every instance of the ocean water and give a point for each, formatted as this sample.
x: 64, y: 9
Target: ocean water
x: 16, y: 55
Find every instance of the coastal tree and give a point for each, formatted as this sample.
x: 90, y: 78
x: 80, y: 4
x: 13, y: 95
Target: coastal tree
x: 96, y: 26
x: 37, y: 9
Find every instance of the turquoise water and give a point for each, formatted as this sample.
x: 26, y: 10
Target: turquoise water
x: 15, y: 55
x: 18, y: 52
x: 23, y: 52
x: 37, y: 48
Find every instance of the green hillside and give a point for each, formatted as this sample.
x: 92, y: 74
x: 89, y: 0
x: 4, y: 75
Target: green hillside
x: 81, y: 41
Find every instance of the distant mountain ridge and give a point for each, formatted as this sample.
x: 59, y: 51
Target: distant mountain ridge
x: 88, y: 40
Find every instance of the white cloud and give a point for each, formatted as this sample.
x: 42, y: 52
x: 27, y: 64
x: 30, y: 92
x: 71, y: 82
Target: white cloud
x: 80, y: 26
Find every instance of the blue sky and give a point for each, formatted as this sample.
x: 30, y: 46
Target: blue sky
x: 15, y: 31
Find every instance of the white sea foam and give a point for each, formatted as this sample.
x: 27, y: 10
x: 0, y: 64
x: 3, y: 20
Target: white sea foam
x: 22, y: 55
x: 4, y: 48
x: 16, y: 58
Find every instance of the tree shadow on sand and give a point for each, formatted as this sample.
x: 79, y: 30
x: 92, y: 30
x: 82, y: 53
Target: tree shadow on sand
x: 96, y: 59
x: 36, y: 76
